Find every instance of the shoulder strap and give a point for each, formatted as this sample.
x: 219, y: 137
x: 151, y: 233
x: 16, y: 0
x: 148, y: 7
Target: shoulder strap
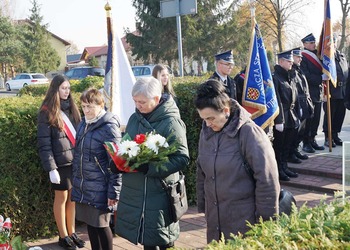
x: 246, y: 166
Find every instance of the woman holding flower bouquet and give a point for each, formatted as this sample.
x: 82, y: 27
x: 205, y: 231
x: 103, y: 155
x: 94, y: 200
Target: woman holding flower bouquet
x: 143, y: 210
x: 95, y: 188
x: 57, y: 120
x: 226, y: 192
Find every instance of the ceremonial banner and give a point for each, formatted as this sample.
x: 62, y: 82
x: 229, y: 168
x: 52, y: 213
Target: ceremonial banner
x: 119, y: 78
x: 259, y: 96
x: 326, y: 47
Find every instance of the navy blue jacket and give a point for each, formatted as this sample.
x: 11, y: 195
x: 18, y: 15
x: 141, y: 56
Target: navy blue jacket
x: 93, y: 182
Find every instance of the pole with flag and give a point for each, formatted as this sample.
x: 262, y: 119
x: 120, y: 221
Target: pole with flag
x: 326, y: 49
x: 119, y: 78
x: 259, y: 96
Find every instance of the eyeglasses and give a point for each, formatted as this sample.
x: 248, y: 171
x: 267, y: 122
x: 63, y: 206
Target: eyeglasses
x: 230, y: 65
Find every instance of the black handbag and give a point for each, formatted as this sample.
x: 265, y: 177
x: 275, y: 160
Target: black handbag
x: 177, y: 197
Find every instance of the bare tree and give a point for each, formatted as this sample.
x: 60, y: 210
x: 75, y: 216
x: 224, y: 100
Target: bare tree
x: 278, y: 15
x: 345, y: 7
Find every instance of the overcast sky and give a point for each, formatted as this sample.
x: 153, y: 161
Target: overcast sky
x: 84, y: 21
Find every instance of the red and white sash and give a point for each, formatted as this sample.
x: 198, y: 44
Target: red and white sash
x: 69, y: 128
x: 312, y: 58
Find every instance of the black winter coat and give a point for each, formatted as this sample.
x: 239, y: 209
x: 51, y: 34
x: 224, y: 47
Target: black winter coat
x: 341, y: 64
x: 313, y: 75
x: 93, y: 182
x: 55, y: 149
x: 231, y: 87
x: 304, y: 99
x: 287, y: 94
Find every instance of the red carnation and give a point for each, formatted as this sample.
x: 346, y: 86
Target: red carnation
x: 140, y: 138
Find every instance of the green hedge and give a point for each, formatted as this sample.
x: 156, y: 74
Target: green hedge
x: 325, y: 226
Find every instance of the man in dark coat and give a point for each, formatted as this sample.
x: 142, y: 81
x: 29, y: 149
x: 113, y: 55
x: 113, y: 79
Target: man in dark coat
x: 224, y: 64
x: 288, y: 118
x: 337, y: 95
x: 312, y: 68
x: 306, y: 106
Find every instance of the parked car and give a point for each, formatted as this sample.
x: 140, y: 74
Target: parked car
x: 83, y: 72
x: 146, y: 70
x: 24, y: 79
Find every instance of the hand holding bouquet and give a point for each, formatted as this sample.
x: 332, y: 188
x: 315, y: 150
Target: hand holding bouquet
x: 129, y: 154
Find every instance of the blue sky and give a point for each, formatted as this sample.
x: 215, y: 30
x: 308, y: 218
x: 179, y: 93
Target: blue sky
x: 84, y: 21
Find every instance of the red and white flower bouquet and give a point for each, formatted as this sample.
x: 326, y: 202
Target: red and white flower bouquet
x: 129, y: 154
x: 5, y: 229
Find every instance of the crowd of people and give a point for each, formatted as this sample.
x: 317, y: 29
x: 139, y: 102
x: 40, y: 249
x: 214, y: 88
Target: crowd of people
x: 239, y: 167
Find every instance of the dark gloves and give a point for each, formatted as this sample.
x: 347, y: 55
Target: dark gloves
x: 143, y: 168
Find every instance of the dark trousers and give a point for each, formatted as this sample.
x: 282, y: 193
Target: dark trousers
x: 337, y: 116
x: 312, y: 123
x: 101, y: 238
x: 298, y: 135
x: 282, y: 144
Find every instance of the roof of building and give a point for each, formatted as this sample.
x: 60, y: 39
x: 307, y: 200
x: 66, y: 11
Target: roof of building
x: 52, y: 34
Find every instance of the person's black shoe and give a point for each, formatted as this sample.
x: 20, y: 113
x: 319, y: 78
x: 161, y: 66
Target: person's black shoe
x: 67, y: 243
x: 300, y: 155
x: 77, y: 240
x: 283, y: 176
x: 294, y: 159
x: 314, y: 144
x: 326, y: 143
x: 338, y: 141
x: 290, y: 173
x: 307, y: 148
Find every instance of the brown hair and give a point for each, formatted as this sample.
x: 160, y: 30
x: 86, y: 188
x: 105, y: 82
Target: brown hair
x: 168, y: 88
x: 52, y: 104
x: 93, y: 96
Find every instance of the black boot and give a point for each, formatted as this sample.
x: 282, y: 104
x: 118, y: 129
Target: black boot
x: 326, y: 143
x: 290, y: 173
x: 307, y: 147
x: 337, y: 140
x: 300, y: 155
x: 314, y: 144
x: 293, y: 158
x: 282, y: 175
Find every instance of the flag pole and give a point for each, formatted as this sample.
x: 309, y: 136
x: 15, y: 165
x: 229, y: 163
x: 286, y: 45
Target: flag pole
x: 329, y: 123
x: 110, y: 43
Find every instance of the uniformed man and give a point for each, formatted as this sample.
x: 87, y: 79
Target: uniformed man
x: 305, y: 103
x: 224, y: 64
x: 337, y: 96
x: 288, y: 118
x: 311, y: 66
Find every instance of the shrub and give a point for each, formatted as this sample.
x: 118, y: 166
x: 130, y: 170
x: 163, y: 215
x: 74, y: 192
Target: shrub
x: 25, y: 194
x: 185, y: 91
x: 325, y: 226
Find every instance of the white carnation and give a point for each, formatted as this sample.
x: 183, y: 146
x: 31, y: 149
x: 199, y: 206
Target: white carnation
x: 131, y: 148
x: 155, y: 141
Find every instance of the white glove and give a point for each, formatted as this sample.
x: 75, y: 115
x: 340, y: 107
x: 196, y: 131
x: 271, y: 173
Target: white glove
x: 55, y: 176
x: 279, y: 127
x: 325, y: 77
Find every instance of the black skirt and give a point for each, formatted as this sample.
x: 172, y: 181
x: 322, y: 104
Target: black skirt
x: 66, y: 176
